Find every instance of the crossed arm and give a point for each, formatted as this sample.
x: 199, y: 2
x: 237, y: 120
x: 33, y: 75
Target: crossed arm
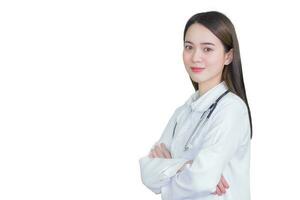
x: 161, y: 151
x: 229, y: 126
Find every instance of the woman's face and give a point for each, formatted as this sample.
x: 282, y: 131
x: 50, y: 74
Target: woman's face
x: 202, y: 49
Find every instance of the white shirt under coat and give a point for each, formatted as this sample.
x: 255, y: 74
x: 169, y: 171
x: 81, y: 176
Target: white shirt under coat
x: 220, y: 147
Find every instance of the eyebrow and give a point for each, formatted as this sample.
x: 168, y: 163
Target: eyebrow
x: 205, y: 43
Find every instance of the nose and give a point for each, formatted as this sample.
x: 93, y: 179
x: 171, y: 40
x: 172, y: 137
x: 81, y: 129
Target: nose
x: 197, y: 55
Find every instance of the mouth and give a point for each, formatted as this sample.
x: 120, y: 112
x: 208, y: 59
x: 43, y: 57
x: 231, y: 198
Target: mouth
x: 197, y: 69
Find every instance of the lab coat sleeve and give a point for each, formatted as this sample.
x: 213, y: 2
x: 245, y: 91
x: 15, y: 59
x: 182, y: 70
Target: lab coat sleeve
x: 153, y: 173
x: 230, y: 124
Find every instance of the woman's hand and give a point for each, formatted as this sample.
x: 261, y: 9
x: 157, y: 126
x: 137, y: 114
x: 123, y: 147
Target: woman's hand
x: 160, y: 151
x: 221, y: 187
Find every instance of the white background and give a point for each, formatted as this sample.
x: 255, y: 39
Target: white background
x: 86, y: 88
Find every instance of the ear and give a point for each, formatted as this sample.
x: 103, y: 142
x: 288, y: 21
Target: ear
x: 228, y: 57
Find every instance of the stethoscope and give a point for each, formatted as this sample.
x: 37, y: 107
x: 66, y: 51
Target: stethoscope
x: 202, y: 122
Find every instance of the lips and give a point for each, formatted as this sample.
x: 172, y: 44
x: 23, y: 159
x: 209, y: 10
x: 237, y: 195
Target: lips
x: 197, y: 69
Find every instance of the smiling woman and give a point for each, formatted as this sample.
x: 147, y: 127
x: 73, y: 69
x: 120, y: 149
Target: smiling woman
x: 204, y: 149
x: 204, y: 56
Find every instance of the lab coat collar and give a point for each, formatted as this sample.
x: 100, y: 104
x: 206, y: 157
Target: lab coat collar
x: 202, y: 102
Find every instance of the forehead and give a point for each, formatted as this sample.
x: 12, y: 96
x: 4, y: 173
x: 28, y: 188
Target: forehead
x: 197, y: 33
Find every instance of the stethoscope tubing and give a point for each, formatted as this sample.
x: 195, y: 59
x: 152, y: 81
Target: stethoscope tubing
x: 210, y: 109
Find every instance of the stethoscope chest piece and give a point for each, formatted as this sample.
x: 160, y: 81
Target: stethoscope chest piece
x: 187, y: 147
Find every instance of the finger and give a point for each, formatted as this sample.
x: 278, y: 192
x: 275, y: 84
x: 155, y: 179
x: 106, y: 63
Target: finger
x: 151, y: 155
x: 165, y: 151
x: 154, y: 154
x: 220, y: 185
x: 162, y: 145
x: 158, y: 152
x: 169, y: 153
x: 225, y: 183
x: 219, y: 191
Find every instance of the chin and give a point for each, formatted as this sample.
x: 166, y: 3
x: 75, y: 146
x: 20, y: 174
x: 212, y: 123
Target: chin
x: 198, y: 79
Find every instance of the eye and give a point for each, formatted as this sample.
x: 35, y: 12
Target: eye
x: 188, y: 47
x: 207, y: 49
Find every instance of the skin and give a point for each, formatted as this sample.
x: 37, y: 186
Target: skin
x: 201, y: 49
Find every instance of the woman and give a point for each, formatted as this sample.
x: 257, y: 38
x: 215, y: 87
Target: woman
x: 204, y: 151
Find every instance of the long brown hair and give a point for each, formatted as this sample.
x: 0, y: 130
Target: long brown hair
x: 222, y: 28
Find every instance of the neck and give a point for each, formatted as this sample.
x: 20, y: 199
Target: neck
x: 205, y: 86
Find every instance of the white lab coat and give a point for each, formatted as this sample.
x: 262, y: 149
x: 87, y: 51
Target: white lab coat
x: 221, y: 147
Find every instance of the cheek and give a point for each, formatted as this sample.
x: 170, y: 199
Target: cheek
x: 215, y: 61
x: 186, y: 60
x: 185, y: 57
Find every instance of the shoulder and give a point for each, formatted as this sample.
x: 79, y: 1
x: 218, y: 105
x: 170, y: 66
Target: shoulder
x: 231, y: 109
x: 232, y: 103
x: 230, y: 118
